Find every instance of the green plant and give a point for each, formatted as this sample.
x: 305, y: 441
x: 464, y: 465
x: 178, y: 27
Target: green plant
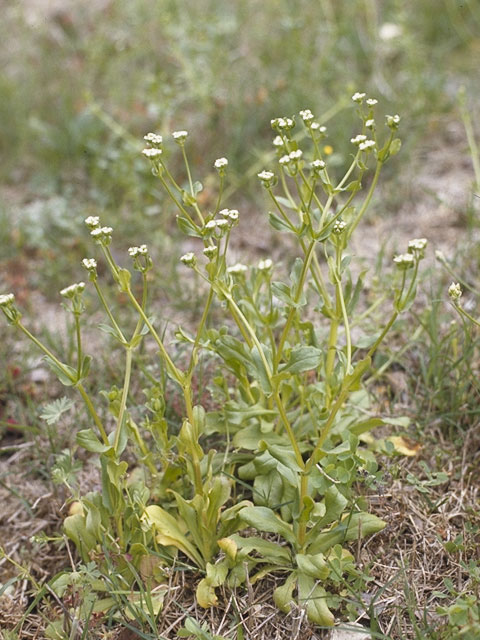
x: 291, y: 409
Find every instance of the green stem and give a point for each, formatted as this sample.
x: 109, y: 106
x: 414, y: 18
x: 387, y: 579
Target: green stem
x: 351, y: 228
x: 123, y: 401
x: 293, y: 309
x: 79, y: 345
x: 108, y: 312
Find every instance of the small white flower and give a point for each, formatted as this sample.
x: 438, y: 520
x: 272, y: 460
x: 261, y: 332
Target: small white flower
x: 283, y: 123
x: 317, y: 127
x: 92, y: 222
x: 152, y: 153
x: 358, y: 139
x: 404, y: 260
x: 233, y: 215
x: 180, y: 136
x: 358, y: 97
x: 339, y: 226
x: 7, y: 299
x: 221, y: 224
x: 265, y: 265
x: 454, y: 291
x: 265, y: 175
x: 210, y: 225
x: 393, y: 121
x: 417, y: 244
x: 102, y: 234
x: 210, y: 251
x: 237, y: 269
x: 90, y: 264
x: 142, y: 250
x: 284, y: 159
x: 389, y: 31
x: 278, y: 141
x: 306, y: 115
x: 153, y: 138
x: 371, y: 102
x: 317, y: 165
x: 295, y: 155
x: 365, y: 146
x: 220, y: 163
x: 189, y: 259
x: 224, y: 213
x: 73, y: 290
x: 370, y: 124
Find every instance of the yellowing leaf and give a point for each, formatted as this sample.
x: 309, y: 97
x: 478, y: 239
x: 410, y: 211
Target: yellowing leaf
x: 206, y: 594
x: 405, y: 446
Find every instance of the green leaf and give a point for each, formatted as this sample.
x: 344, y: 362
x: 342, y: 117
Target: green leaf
x: 124, y: 278
x: 169, y: 533
x: 303, y: 358
x: 187, y: 227
x: 313, y: 565
x: 86, y: 362
x: 62, y: 373
x: 395, y: 146
x: 53, y: 411
x: 270, y: 551
x: 279, y: 224
x: 264, y: 519
x: 353, y: 527
x: 314, y: 598
x: 87, y: 439
x: 76, y: 530
x: 283, y: 595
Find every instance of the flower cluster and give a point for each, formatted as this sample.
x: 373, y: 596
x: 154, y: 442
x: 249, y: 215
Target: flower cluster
x: 393, y: 122
x: 306, y: 115
x: 102, y: 235
x: 153, y: 139
x: 404, y: 260
x: 180, y: 136
x: 189, y: 259
x: 417, y: 246
x: 220, y: 163
x: 267, y: 178
x: 73, y: 290
x: 265, y: 265
x: 455, y: 291
x: 358, y: 97
x: 282, y: 124
x: 141, y: 259
x: 7, y: 305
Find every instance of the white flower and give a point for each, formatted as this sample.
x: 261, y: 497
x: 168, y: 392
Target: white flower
x: 189, y: 259
x: 221, y: 224
x: 153, y: 138
x: 284, y: 159
x: 389, y: 31
x: 265, y: 175
x: 417, y: 244
x: 339, y: 226
x: 142, y: 250
x: 237, y: 269
x: 371, y: 102
x: 211, y: 224
x: 7, y: 299
x: 454, y: 291
x: 306, y: 115
x: 317, y: 127
x: 358, y: 139
x: 365, y: 146
x: 233, y: 215
x: 265, y: 265
x: 152, y: 153
x: 370, y: 124
x: 278, y: 141
x: 102, y: 235
x: 358, y: 97
x: 393, y: 121
x: 295, y: 155
x: 404, y: 260
x: 283, y: 123
x: 317, y: 165
x: 180, y: 136
x: 220, y: 163
x: 210, y: 251
x: 73, y: 290
x: 92, y: 222
x: 90, y: 264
